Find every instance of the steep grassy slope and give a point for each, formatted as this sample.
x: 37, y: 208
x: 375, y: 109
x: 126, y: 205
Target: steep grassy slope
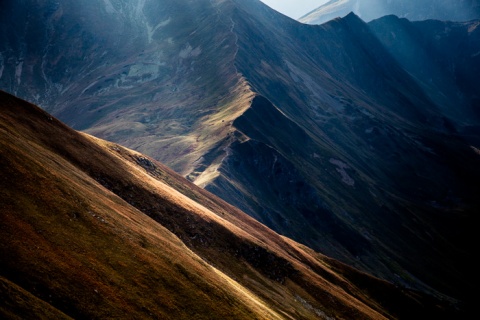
x: 317, y: 131
x: 91, y: 229
x: 77, y: 247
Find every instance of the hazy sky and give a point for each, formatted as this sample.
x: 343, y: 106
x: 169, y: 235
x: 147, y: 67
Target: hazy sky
x: 294, y: 8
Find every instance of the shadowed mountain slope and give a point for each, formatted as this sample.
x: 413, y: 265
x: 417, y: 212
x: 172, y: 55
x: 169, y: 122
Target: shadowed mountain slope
x: 443, y: 57
x: 91, y: 229
x: 345, y: 148
x: 451, y: 10
x: 319, y: 132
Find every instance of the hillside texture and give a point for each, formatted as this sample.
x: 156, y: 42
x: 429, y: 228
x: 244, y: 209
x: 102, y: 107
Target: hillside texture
x: 90, y: 229
x: 332, y: 135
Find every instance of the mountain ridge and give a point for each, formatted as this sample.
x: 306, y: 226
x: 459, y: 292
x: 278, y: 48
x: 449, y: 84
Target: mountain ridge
x: 368, y: 10
x: 87, y: 238
x: 419, y: 109
x: 371, y: 171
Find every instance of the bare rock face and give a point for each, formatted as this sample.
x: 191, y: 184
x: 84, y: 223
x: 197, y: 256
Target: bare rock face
x: 333, y: 134
x: 367, y: 10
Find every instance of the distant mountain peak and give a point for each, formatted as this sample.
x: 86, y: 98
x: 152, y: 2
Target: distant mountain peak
x: 368, y: 10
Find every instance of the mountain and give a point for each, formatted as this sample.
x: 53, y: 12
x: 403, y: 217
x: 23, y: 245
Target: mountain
x: 367, y: 10
x: 91, y: 229
x: 443, y: 57
x: 321, y: 132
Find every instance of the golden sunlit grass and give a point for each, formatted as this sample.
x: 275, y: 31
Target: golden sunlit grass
x: 67, y: 238
x: 90, y: 229
x: 217, y: 128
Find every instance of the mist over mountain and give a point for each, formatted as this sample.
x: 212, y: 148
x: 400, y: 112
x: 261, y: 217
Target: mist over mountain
x: 443, y: 57
x: 333, y: 135
x: 367, y: 10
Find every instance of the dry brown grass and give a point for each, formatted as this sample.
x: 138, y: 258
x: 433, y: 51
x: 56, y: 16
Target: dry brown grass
x: 89, y: 229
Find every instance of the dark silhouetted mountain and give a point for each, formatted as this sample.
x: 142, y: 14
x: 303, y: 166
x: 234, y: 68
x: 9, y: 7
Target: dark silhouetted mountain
x: 321, y: 132
x: 367, y: 10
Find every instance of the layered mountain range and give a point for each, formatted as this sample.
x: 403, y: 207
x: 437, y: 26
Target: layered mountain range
x: 90, y: 229
x: 358, y: 140
x: 367, y: 10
